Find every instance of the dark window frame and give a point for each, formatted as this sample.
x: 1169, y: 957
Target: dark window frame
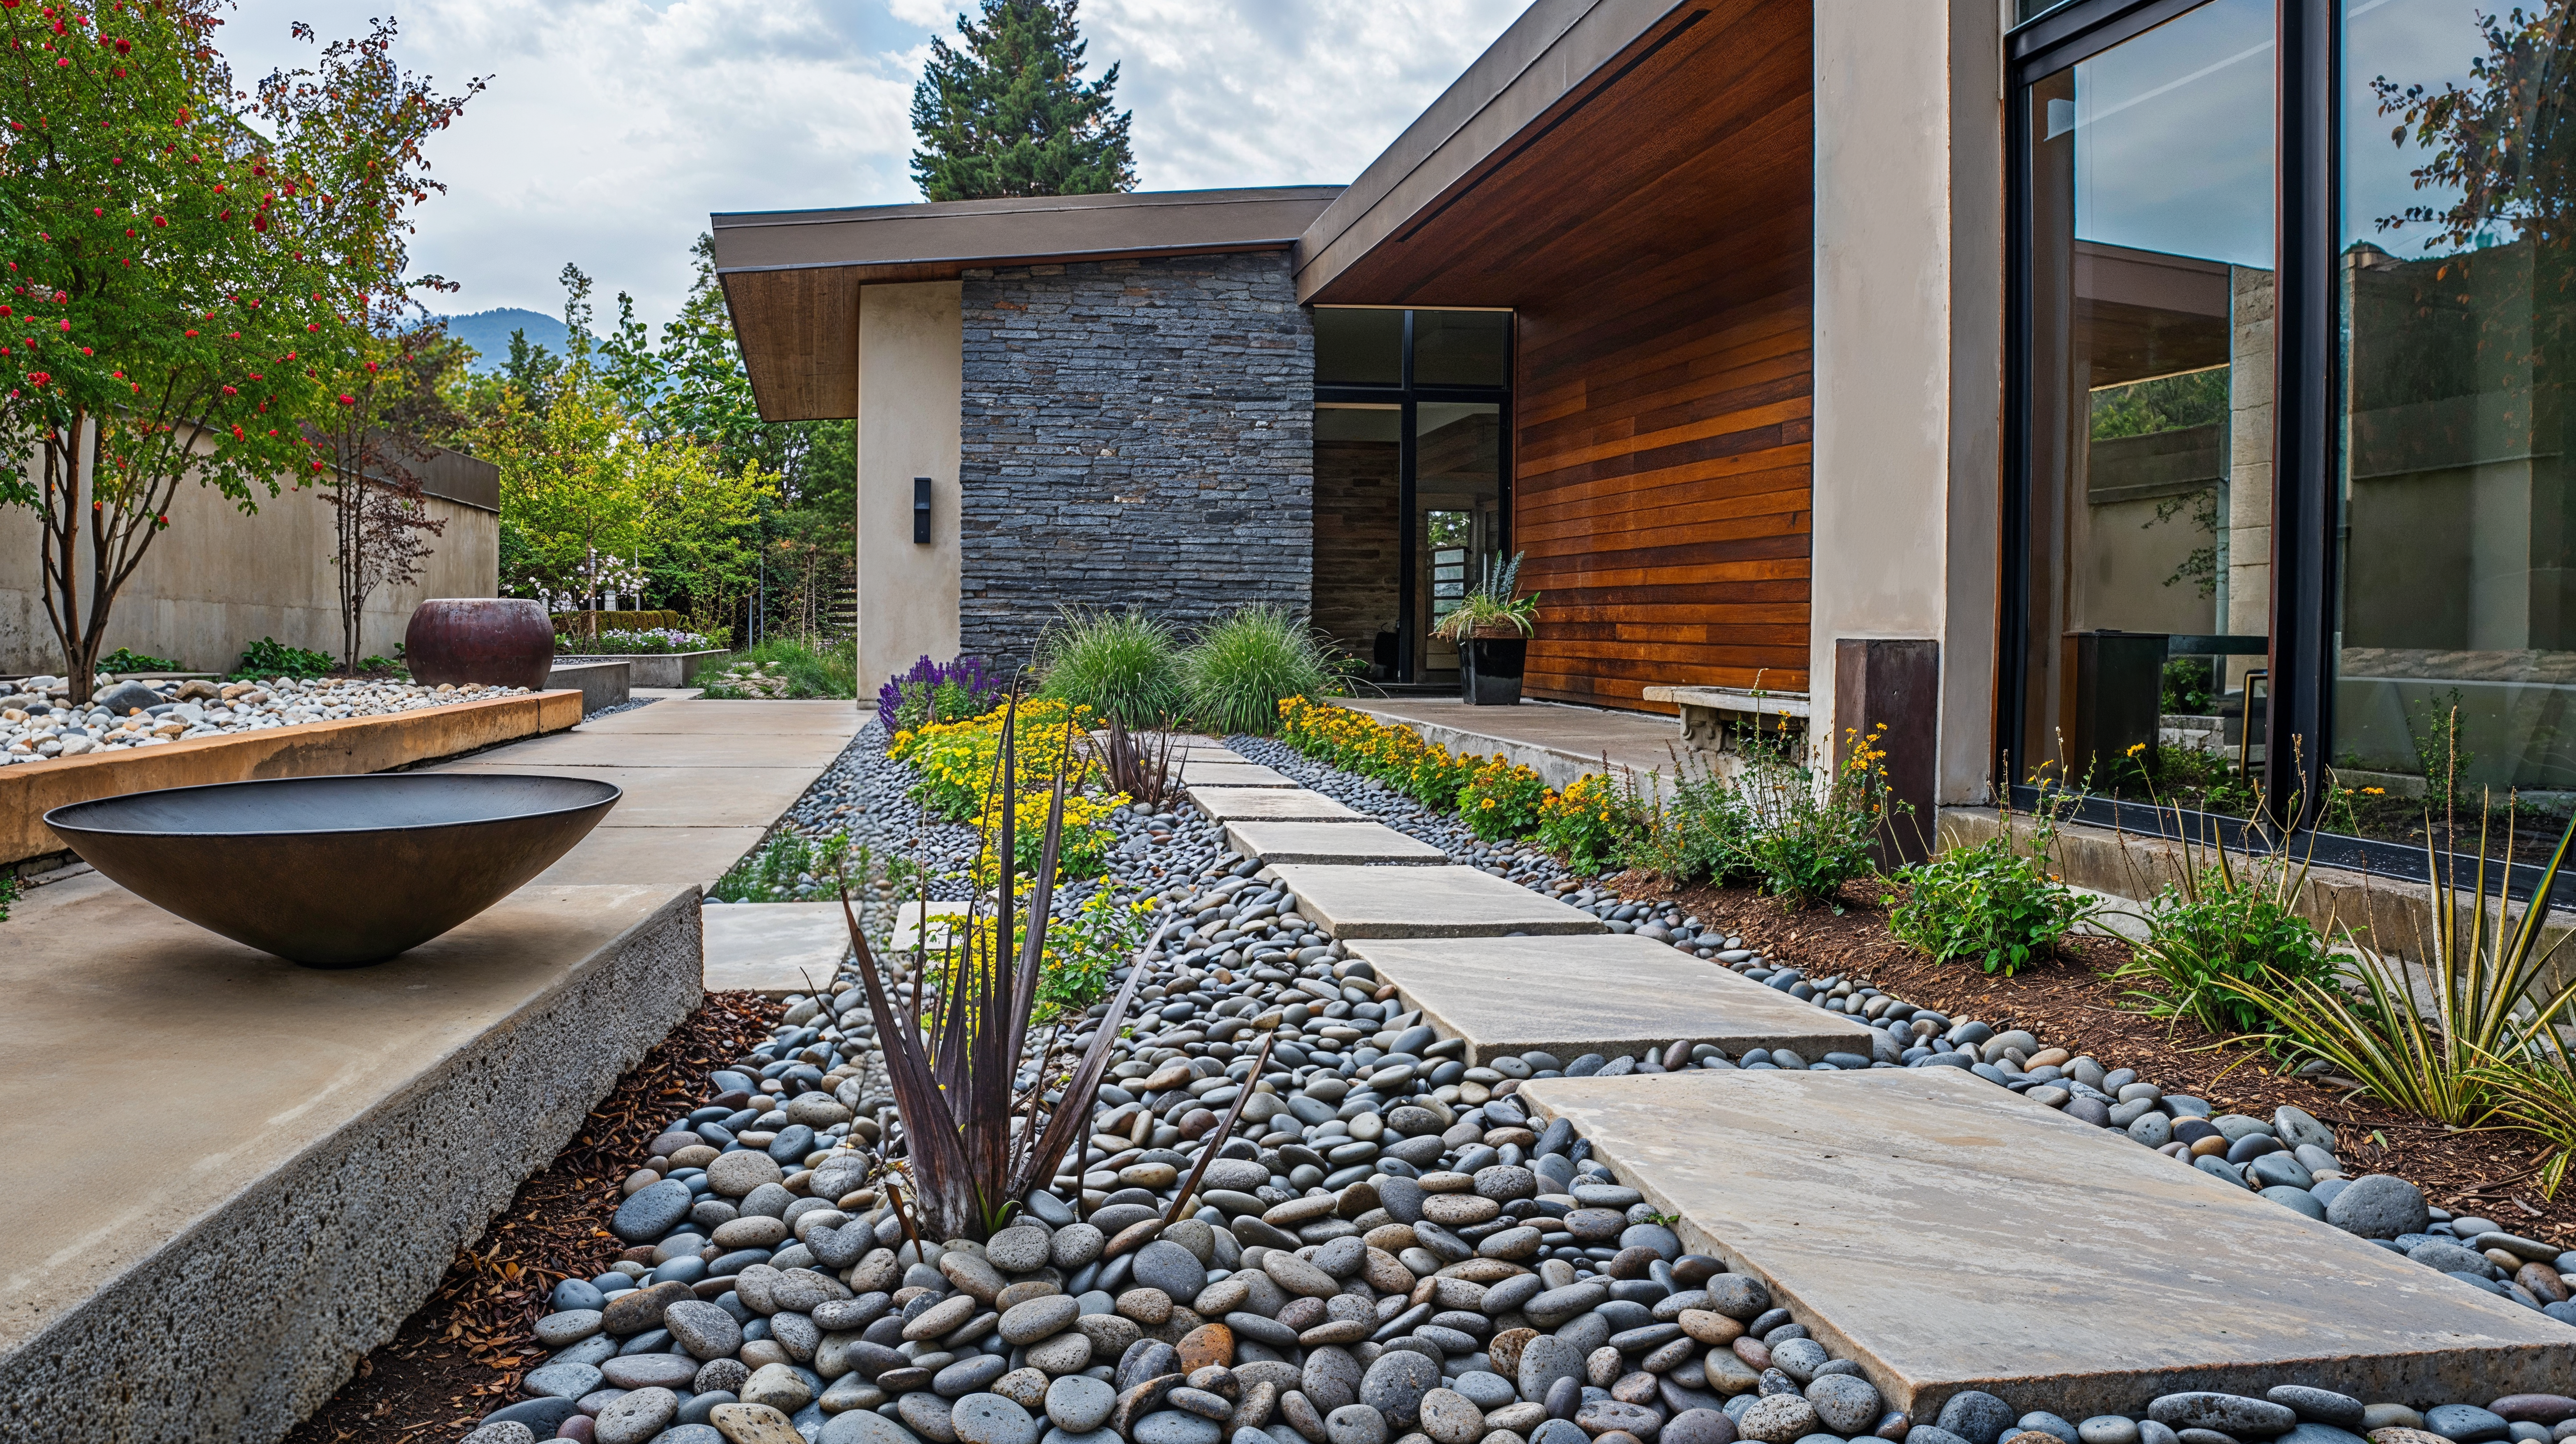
x: 1406, y: 395
x: 2307, y: 377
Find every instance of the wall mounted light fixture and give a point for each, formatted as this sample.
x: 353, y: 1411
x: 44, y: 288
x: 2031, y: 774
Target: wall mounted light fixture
x: 921, y: 510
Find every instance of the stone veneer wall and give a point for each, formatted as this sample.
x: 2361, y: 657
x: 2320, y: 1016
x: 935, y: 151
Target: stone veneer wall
x: 1134, y: 432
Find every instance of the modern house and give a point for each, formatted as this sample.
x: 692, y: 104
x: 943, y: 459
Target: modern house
x: 1916, y: 355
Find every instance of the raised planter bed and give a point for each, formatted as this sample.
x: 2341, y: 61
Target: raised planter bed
x: 650, y: 669
x: 356, y: 744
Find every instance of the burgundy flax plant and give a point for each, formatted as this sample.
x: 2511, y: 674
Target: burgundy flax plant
x: 974, y: 1140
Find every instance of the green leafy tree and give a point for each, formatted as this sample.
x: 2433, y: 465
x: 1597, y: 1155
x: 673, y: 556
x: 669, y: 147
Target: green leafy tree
x: 1009, y: 115
x: 588, y: 488
x: 186, y: 267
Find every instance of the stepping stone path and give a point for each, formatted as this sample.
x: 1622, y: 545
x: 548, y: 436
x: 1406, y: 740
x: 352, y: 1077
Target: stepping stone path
x: 1420, y: 1236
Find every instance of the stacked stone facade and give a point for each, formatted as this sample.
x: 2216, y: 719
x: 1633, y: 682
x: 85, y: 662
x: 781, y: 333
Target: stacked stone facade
x: 1133, y: 432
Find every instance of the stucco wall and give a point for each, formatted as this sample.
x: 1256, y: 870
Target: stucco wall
x: 219, y: 579
x: 1908, y: 335
x: 1133, y: 432
x: 907, y: 427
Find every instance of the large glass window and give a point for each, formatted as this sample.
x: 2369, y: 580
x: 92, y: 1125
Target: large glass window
x: 1411, y: 490
x: 2147, y: 431
x: 2458, y: 526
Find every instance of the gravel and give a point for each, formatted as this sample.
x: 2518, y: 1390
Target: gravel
x: 1386, y: 1250
x: 39, y: 723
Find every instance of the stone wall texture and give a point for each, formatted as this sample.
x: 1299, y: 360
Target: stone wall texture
x: 1134, y: 433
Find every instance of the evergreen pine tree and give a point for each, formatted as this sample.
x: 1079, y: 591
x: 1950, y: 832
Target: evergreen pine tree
x: 1009, y: 115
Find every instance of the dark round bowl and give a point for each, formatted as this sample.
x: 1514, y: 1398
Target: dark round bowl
x: 485, y: 641
x: 334, y: 872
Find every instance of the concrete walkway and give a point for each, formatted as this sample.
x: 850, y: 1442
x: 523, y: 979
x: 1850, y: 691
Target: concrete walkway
x: 703, y: 781
x: 1560, y: 742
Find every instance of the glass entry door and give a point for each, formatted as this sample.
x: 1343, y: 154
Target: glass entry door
x: 1412, y: 497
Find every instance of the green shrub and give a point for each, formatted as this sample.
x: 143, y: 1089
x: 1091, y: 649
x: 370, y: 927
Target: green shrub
x: 269, y: 657
x: 1702, y: 833
x: 122, y: 660
x: 1119, y: 664
x: 2219, y: 925
x: 794, y: 667
x: 1501, y: 799
x: 1986, y: 902
x: 2469, y: 1027
x: 1244, y: 665
x: 771, y: 872
x: 1804, y: 837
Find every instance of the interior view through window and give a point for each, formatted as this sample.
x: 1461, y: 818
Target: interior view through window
x: 2150, y: 407
x: 2150, y: 420
x: 1410, y: 492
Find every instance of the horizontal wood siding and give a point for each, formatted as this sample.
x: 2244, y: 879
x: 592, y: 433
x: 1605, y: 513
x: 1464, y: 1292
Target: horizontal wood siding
x: 1662, y: 486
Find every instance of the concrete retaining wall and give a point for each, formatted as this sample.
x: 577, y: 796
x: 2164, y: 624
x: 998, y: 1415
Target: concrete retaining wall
x: 653, y: 669
x: 602, y: 681
x: 358, y: 744
x: 239, y: 1324
x: 219, y: 580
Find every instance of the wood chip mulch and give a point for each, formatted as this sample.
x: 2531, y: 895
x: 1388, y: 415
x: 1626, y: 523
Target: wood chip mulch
x: 2073, y: 1002
x: 461, y: 1356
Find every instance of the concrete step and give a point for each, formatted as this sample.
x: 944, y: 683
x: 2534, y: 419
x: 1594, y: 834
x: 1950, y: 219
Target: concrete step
x: 775, y: 948
x: 1332, y: 842
x: 1270, y: 804
x: 346, y: 1132
x: 1424, y: 902
x: 1217, y: 773
x: 1611, y: 993
x: 1946, y: 1235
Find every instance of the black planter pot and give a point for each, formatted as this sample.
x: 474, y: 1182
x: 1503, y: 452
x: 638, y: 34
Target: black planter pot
x: 1489, y: 670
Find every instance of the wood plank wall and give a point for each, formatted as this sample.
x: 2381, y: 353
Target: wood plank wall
x: 1661, y: 474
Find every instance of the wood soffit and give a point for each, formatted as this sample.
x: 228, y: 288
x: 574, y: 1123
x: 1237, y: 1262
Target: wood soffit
x: 1603, y: 135
x: 791, y: 278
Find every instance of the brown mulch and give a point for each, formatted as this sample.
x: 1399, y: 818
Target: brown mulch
x: 2072, y: 1002
x: 461, y: 1356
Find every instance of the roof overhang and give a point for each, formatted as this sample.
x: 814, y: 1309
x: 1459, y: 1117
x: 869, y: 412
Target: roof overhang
x: 791, y: 278
x: 1592, y: 135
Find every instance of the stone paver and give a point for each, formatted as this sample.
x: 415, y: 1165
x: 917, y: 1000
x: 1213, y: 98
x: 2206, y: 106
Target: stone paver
x: 1612, y: 994
x: 1342, y: 842
x: 1233, y: 774
x: 1424, y: 902
x: 345, y: 1131
x: 775, y: 948
x: 1271, y: 804
x: 1947, y: 1235
x: 907, y: 922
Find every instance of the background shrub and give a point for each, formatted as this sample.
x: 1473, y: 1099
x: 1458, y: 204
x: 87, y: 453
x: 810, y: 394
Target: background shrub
x: 2218, y: 926
x: 1119, y: 664
x: 1244, y: 665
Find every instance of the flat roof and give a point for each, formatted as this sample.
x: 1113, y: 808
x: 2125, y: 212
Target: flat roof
x: 791, y: 278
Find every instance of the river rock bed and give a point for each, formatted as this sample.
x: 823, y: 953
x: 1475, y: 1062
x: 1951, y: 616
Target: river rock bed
x: 1387, y: 1251
x: 38, y: 721
x: 2288, y: 1158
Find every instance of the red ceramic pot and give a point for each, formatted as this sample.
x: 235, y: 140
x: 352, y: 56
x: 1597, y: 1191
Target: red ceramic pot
x: 491, y: 641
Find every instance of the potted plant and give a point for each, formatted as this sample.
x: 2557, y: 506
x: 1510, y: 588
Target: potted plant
x: 1492, y: 628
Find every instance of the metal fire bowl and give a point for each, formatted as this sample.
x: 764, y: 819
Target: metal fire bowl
x: 335, y: 872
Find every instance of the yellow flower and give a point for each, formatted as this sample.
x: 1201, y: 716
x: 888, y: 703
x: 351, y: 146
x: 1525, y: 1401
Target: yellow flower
x: 2376, y: 791
x: 2137, y: 747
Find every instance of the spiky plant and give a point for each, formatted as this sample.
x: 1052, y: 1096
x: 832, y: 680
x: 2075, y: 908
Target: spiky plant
x: 1141, y: 768
x: 974, y: 1140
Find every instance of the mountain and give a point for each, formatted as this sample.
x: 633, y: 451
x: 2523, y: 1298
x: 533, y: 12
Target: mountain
x: 488, y: 332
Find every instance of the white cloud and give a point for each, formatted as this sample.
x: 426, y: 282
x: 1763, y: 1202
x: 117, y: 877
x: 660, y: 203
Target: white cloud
x: 613, y: 127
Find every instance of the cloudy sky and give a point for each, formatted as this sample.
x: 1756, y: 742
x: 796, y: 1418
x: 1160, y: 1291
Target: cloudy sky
x: 612, y: 127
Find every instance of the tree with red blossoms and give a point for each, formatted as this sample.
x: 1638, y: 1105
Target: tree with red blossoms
x: 188, y: 272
